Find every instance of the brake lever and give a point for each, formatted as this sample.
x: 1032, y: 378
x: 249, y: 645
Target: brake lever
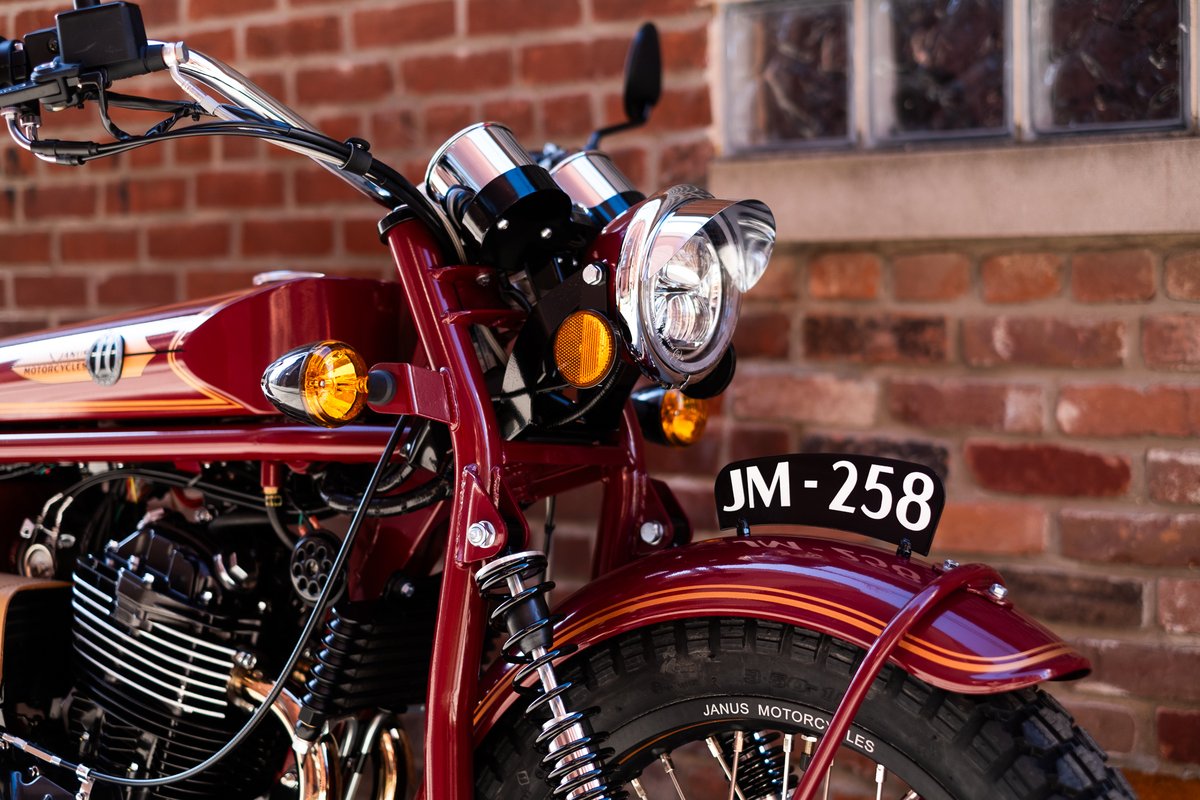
x: 53, y: 85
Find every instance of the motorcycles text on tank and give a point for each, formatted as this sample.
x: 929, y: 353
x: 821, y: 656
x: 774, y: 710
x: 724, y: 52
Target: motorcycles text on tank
x: 243, y: 534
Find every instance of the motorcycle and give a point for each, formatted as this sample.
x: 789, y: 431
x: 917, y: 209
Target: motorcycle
x: 243, y: 535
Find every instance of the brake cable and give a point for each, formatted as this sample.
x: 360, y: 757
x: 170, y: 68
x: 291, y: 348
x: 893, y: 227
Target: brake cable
x: 87, y: 777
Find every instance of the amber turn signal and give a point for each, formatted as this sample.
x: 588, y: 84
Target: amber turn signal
x: 668, y: 416
x: 584, y: 349
x: 324, y: 383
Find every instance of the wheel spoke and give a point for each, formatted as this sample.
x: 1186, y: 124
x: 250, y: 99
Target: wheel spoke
x: 670, y: 768
x: 739, y: 741
x: 637, y: 788
x: 787, y: 766
x: 880, y: 775
x: 828, y: 779
x: 718, y: 753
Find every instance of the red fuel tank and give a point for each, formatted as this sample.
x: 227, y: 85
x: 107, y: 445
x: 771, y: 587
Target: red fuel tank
x: 201, y: 358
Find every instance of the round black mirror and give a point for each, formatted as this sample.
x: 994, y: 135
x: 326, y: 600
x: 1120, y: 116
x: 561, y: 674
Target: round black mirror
x: 643, y: 74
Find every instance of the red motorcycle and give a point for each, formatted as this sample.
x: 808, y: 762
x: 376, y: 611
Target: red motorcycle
x: 302, y: 501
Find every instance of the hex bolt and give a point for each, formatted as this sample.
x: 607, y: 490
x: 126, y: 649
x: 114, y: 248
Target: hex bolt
x: 949, y: 564
x: 652, y: 533
x: 245, y: 660
x: 502, y: 224
x: 592, y: 274
x: 481, y: 534
x: 547, y: 233
x: 998, y: 591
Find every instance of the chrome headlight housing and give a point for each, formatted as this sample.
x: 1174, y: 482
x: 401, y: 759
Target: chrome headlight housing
x: 685, y: 262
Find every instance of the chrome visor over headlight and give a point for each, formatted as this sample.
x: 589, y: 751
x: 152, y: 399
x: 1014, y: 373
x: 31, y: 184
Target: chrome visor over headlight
x: 686, y: 259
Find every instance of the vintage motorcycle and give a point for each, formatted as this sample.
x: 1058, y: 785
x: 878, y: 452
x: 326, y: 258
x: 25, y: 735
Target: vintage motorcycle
x: 301, y: 500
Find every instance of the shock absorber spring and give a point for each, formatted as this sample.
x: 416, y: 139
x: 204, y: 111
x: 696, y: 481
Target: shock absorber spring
x: 573, y: 760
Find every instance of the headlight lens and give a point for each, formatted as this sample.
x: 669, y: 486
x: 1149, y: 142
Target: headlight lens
x: 685, y: 261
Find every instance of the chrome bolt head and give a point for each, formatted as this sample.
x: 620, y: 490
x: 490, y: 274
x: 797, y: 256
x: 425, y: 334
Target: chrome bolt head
x: 949, y: 564
x: 547, y: 233
x: 481, y: 534
x: 245, y: 660
x: 501, y: 224
x: 592, y: 274
x: 998, y: 591
x: 652, y: 533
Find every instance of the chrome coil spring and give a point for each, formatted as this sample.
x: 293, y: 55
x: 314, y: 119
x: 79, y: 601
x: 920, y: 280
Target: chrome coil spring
x: 760, y: 769
x: 573, y: 760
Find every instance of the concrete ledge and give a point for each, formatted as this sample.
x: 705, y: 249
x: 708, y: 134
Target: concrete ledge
x: 1143, y: 186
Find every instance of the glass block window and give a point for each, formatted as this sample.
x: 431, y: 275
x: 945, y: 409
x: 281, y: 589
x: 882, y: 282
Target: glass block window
x: 1107, y: 64
x: 788, y: 74
x: 939, y: 69
x: 867, y: 73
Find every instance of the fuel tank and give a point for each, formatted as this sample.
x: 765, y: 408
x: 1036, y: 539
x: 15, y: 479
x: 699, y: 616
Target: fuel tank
x: 201, y: 358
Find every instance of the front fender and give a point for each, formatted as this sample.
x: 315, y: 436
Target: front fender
x: 972, y: 644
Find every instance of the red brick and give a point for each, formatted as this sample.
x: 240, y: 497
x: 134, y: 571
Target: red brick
x: 190, y: 241
x: 53, y: 202
x: 19, y: 327
x: 394, y: 128
x: 457, y: 74
x: 292, y: 36
x: 417, y: 22
x: 681, y: 109
x: 763, y: 333
x: 218, y: 44
x: 198, y: 150
x: 210, y: 282
x: 702, y: 458
x: 1145, y: 669
x: 443, y: 121
x: 1183, y: 276
x: 8, y: 202
x: 320, y: 187
x: 343, y: 83
x: 1058, y: 596
x: 568, y: 117
x: 1110, y: 410
x: 1179, y: 735
x: 1021, y: 277
x: 1171, y: 341
x: 685, y: 162
x: 99, y: 245
x: 242, y: 189
x: 1179, y: 605
x: 685, y: 49
x: 949, y: 404
x: 1111, y: 725
x: 1115, y: 276
x: 137, y: 289
x: 1046, y: 469
x: 752, y: 439
x: 1173, y: 476
x: 992, y: 529
x: 220, y: 9
x: 287, y: 237
x: 556, y: 62
x: 1120, y: 537
x: 147, y: 196
x: 882, y: 339
x: 817, y: 399
x: 1043, y: 342
x: 845, y: 276
x: 632, y: 163
x: 24, y: 248
x: 514, y: 113
x: 645, y: 9
x: 512, y: 16
x: 361, y: 237
x: 1149, y: 786
x: 59, y: 290
x: 931, y: 276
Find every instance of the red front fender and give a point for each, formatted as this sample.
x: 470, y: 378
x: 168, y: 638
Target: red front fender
x: 972, y: 644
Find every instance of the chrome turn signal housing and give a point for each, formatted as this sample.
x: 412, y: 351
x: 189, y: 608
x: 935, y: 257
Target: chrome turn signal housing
x: 323, y: 383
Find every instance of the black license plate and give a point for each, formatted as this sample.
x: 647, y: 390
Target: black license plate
x: 882, y: 498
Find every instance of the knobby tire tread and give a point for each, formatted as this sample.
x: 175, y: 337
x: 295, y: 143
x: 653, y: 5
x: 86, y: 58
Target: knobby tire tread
x: 1019, y: 745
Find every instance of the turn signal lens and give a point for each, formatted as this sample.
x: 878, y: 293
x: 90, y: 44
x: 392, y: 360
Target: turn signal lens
x: 324, y: 383
x: 683, y: 418
x: 583, y: 349
x: 334, y: 384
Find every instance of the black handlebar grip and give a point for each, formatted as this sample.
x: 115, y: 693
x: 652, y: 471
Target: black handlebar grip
x: 152, y: 60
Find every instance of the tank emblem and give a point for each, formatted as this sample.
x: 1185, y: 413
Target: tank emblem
x: 105, y: 359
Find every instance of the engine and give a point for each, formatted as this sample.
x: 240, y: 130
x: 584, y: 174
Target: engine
x: 161, y: 618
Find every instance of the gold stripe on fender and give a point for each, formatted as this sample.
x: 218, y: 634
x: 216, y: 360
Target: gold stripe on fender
x: 793, y: 600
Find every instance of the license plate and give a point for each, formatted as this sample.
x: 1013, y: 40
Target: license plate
x: 884, y: 498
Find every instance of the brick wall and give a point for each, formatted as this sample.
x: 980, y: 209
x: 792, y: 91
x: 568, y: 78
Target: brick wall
x: 1052, y: 382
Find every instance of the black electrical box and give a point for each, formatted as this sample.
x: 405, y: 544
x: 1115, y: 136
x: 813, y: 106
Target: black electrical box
x: 102, y: 36
x: 41, y: 47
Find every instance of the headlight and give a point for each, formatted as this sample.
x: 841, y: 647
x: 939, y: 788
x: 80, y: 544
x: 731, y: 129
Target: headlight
x: 685, y: 261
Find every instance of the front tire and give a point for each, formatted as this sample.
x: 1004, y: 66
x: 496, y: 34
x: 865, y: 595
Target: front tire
x: 669, y: 688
